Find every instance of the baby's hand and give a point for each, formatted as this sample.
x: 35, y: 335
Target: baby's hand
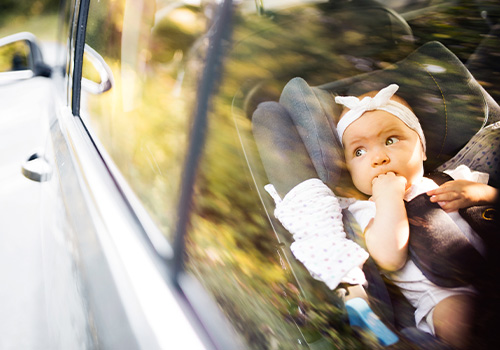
x: 388, y: 184
x: 457, y: 194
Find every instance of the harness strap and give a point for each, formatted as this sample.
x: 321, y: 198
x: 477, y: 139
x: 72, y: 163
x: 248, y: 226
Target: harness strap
x: 438, y: 247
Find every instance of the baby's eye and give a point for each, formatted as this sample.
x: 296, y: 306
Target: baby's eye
x: 359, y: 152
x: 391, y: 140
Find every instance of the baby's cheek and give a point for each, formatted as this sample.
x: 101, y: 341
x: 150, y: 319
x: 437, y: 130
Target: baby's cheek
x: 365, y: 186
x: 359, y: 179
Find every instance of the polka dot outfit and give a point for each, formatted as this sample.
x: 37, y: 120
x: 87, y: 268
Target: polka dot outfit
x: 312, y: 214
x: 481, y: 153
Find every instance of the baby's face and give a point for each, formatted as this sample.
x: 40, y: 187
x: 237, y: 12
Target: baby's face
x: 378, y: 143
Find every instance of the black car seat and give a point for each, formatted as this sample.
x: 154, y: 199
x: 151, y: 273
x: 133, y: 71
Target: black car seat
x: 297, y: 140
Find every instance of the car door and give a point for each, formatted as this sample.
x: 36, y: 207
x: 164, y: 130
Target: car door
x: 119, y: 258
x: 37, y: 266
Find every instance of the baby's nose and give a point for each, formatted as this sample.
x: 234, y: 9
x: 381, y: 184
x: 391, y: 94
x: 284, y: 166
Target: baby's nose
x: 380, y: 158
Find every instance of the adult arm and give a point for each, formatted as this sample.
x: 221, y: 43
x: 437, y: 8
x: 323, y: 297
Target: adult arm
x: 457, y: 194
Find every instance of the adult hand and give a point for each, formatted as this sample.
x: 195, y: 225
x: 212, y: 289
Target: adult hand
x: 457, y: 194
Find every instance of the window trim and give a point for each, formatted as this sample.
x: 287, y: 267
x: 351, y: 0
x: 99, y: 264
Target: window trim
x: 81, y: 31
x: 222, y: 27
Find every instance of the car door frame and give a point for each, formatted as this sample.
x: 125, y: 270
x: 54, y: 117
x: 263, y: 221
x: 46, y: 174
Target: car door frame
x: 137, y: 292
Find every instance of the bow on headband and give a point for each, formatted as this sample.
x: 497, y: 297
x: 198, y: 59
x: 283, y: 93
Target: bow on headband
x: 381, y: 101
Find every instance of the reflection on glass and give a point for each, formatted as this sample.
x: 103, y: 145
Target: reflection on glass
x: 143, y: 120
x: 89, y: 71
x: 232, y: 248
x: 270, y: 298
x: 15, y: 57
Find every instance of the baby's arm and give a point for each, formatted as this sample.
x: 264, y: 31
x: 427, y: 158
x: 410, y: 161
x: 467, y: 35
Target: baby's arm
x: 387, y: 234
x: 312, y: 214
x: 457, y: 194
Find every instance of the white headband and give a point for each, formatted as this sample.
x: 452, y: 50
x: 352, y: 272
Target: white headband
x: 381, y: 101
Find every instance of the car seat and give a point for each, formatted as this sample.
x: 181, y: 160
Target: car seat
x: 296, y: 138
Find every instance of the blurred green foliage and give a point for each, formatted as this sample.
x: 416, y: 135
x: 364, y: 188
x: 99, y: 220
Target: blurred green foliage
x: 38, y: 17
x: 28, y: 7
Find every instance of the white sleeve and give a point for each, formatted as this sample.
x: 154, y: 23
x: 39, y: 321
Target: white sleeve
x: 363, y: 211
x: 463, y: 172
x: 312, y: 214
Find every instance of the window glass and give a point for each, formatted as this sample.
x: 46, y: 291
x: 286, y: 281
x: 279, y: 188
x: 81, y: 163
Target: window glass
x: 143, y: 120
x: 234, y: 245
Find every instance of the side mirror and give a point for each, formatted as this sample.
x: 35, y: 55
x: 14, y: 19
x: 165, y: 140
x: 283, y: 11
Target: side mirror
x: 21, y: 57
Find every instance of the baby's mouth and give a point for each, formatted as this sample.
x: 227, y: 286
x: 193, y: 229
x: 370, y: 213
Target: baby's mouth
x: 385, y: 173
x: 395, y: 173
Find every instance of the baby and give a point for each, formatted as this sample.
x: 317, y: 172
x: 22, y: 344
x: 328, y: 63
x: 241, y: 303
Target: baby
x: 384, y: 149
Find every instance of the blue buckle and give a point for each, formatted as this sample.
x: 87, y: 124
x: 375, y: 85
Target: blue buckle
x: 361, y: 315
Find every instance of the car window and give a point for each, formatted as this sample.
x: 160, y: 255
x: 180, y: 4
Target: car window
x: 143, y: 120
x: 234, y: 245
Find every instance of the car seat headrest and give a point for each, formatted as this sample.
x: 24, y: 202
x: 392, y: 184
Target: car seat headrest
x: 449, y: 102
x: 313, y: 112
